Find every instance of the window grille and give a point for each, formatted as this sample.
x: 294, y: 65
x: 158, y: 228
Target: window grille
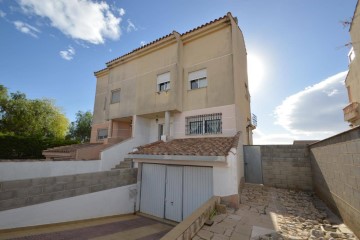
x: 204, y: 124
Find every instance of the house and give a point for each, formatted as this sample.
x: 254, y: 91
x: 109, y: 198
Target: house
x: 352, y: 110
x: 179, y: 107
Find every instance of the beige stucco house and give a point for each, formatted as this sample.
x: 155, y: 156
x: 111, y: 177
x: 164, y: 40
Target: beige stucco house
x: 174, y: 80
x: 352, y: 110
x: 179, y: 107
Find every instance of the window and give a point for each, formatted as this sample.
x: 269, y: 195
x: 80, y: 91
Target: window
x: 163, y: 82
x: 198, y: 79
x: 204, y: 124
x: 102, y: 133
x: 351, y: 55
x: 115, y: 96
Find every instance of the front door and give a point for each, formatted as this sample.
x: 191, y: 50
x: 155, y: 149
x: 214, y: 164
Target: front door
x: 160, y: 131
x: 173, y: 193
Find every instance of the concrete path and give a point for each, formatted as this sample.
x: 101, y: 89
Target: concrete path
x: 119, y: 227
x: 271, y: 213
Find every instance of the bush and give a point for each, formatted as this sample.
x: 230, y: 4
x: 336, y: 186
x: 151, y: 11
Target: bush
x: 19, y: 147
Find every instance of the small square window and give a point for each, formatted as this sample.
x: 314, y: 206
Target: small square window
x: 163, y: 82
x: 198, y: 79
x: 115, y: 96
x: 102, y: 133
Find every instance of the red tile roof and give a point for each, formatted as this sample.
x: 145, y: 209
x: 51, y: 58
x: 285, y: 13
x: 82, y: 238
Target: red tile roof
x: 71, y: 148
x: 207, y: 146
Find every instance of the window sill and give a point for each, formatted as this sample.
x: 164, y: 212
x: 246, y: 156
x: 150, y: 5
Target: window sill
x: 189, y: 90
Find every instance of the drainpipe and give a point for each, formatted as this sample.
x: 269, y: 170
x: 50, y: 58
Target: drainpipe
x: 167, y: 126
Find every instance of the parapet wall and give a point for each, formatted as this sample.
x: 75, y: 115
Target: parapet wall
x: 286, y: 166
x: 21, y: 193
x: 336, y: 175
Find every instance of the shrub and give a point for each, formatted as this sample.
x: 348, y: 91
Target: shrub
x: 20, y: 147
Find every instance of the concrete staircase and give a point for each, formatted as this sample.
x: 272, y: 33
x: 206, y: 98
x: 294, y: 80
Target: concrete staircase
x: 127, y: 163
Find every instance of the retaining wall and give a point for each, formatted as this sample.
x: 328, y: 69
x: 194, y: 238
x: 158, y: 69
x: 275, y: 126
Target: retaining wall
x: 286, y: 166
x: 336, y: 175
x: 21, y: 193
x: 24, y: 169
x: 193, y: 223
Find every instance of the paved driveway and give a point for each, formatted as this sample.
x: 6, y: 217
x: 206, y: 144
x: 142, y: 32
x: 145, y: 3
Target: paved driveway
x: 120, y: 227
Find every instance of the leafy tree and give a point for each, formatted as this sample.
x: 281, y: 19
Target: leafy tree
x: 81, y: 129
x: 25, y: 117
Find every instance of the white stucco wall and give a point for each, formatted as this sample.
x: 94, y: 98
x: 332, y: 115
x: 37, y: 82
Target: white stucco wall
x: 226, y: 179
x: 116, y: 153
x: 99, y: 204
x: 228, y: 121
x: 24, y: 170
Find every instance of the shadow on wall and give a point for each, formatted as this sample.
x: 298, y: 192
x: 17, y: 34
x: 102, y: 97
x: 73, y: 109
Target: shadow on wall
x: 335, y: 166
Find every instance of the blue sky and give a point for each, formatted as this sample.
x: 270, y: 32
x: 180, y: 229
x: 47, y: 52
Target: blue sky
x: 50, y: 49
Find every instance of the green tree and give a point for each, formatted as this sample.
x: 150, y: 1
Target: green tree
x: 81, y: 129
x: 25, y: 117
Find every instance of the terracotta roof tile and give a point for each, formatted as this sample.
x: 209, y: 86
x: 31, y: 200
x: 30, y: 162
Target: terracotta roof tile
x: 71, y: 148
x: 207, y: 146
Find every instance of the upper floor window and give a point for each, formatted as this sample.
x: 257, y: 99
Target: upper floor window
x: 198, y: 79
x: 102, y: 133
x: 204, y: 124
x: 115, y: 96
x: 163, y: 82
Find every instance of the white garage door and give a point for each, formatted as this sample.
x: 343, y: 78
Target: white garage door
x: 153, y: 189
x: 174, y: 192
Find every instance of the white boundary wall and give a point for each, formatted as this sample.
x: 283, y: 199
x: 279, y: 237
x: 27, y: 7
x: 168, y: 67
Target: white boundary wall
x: 115, y: 154
x: 99, y: 204
x: 24, y: 170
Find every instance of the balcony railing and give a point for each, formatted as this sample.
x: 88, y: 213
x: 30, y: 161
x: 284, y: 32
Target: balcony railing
x: 254, y: 120
x: 351, y: 112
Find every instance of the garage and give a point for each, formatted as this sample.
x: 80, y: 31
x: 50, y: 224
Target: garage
x: 173, y: 192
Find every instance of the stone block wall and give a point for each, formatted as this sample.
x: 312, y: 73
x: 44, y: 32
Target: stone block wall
x: 188, y: 228
x: 21, y: 193
x: 286, y: 166
x: 336, y: 175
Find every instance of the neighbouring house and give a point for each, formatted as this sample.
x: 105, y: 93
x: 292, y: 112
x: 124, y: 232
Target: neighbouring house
x: 180, y: 108
x: 352, y: 110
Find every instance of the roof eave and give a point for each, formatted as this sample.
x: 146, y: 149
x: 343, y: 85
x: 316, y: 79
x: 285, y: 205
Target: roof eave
x: 352, y: 20
x: 178, y: 157
x: 159, y: 43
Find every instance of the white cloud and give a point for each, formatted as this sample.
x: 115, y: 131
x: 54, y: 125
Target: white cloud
x: 315, y: 110
x: 68, y: 54
x: 131, y: 26
x: 26, y: 28
x: 142, y: 43
x: 122, y: 12
x: 2, y: 14
x: 261, y: 138
x: 79, y: 19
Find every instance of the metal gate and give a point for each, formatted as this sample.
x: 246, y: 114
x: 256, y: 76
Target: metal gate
x: 253, y: 168
x: 174, y: 192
